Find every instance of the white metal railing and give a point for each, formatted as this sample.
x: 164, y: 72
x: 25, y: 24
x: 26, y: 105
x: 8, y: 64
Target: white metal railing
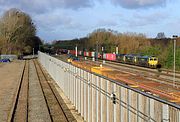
x: 99, y: 99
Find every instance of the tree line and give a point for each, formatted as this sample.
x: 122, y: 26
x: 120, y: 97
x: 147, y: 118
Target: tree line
x: 127, y: 43
x: 17, y: 33
x: 109, y: 40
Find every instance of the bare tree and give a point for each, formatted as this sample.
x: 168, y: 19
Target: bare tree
x: 16, y: 27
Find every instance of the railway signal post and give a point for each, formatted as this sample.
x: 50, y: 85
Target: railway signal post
x: 96, y: 50
x: 103, y: 55
x: 174, y: 76
x: 76, y: 50
x: 117, y: 50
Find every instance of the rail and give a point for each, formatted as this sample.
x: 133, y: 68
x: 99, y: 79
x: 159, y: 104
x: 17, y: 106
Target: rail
x: 15, y: 108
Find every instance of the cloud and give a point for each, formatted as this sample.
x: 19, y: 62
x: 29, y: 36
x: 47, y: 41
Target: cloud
x: 41, y: 6
x: 50, y: 16
x: 107, y: 23
x: 172, y: 27
x: 75, y: 4
x: 133, y: 4
x: 52, y: 20
x: 45, y: 5
x: 144, y: 20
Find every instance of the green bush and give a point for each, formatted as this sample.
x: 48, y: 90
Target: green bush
x: 164, y: 54
x: 169, y: 62
x: 155, y: 51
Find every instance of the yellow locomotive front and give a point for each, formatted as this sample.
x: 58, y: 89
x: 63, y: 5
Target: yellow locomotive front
x: 153, y: 62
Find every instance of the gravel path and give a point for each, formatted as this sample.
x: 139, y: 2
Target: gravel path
x: 38, y: 111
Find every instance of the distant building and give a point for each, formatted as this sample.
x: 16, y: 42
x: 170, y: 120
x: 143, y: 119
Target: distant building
x: 160, y: 35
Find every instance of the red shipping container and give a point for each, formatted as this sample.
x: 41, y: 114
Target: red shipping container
x: 84, y: 53
x: 99, y: 55
x: 110, y: 56
x: 90, y: 54
x: 72, y: 52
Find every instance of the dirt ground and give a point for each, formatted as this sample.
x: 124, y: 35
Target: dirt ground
x: 9, y: 78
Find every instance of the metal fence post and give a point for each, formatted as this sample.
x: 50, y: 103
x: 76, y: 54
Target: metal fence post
x: 89, y: 97
x: 110, y: 114
x: 86, y: 97
x: 94, y: 99
x: 99, y: 80
x: 123, y: 104
x: 165, y: 113
x: 103, y: 101
x: 117, y: 105
x: 82, y: 92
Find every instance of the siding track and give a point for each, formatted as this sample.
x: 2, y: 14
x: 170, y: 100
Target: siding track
x: 36, y: 98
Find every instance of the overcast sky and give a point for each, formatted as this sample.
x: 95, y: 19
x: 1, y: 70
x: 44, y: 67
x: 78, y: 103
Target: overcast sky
x: 68, y: 19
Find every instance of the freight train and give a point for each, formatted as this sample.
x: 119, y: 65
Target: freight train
x: 133, y: 59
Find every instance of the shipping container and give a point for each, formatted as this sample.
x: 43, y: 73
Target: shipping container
x: 84, y: 53
x: 110, y: 56
x: 92, y: 54
x: 87, y: 54
x: 68, y: 51
x: 73, y: 52
x: 99, y: 55
x: 80, y: 53
x: 104, y: 55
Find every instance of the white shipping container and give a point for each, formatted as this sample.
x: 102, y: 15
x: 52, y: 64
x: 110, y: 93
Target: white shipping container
x: 93, y: 54
x: 104, y: 55
x: 87, y: 53
x: 80, y: 53
x: 68, y: 51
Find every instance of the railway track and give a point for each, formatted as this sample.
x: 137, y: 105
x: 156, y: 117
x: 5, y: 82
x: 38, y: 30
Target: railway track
x: 161, y: 90
x: 163, y: 76
x: 36, y: 98
x: 53, y: 100
x: 162, y: 71
x: 19, y: 108
x: 144, y: 79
